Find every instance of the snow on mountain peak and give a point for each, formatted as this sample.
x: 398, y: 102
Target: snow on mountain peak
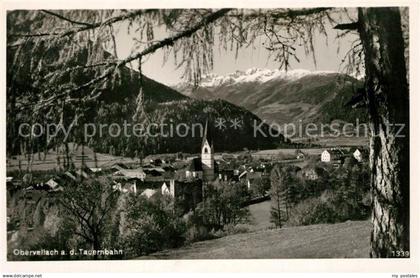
x: 257, y: 75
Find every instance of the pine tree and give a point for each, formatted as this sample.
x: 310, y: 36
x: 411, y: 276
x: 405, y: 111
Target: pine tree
x: 278, y: 192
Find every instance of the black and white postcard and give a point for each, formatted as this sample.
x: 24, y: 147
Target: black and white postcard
x: 209, y: 132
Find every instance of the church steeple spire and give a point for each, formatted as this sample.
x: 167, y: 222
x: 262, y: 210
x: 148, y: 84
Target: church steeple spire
x: 207, y: 136
x: 207, y: 154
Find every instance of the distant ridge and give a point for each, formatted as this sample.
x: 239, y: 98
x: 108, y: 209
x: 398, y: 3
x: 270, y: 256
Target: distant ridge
x: 117, y: 104
x: 283, y: 96
x: 258, y: 75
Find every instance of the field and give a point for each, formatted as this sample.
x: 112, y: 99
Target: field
x: 344, y: 240
x: 288, y: 152
x: 326, y: 141
x: 260, y: 215
x: 43, y: 162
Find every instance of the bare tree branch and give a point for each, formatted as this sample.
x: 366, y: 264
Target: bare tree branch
x: 160, y: 44
x: 283, y: 14
x: 301, y: 12
x: 67, y: 19
x: 347, y: 26
x: 92, y: 26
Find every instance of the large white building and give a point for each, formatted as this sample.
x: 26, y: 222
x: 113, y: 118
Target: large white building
x: 332, y: 155
x: 326, y: 156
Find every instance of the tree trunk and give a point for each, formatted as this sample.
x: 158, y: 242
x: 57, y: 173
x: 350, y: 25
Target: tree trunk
x: 96, y: 243
x: 388, y: 104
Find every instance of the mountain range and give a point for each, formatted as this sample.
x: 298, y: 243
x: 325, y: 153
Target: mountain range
x: 117, y: 104
x: 163, y: 104
x: 283, y: 96
x: 249, y: 96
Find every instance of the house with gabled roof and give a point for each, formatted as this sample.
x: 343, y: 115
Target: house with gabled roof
x: 148, y: 193
x: 360, y: 154
x: 332, y: 155
x: 194, y: 169
x: 131, y: 174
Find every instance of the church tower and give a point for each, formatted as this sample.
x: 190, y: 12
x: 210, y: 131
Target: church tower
x: 207, y: 155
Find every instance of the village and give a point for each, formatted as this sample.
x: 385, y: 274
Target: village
x: 198, y: 197
x: 185, y: 177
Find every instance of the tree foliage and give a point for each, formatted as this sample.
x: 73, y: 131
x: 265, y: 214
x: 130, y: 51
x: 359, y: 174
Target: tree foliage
x: 88, y: 207
x: 151, y: 226
x: 342, y: 195
x: 222, y: 205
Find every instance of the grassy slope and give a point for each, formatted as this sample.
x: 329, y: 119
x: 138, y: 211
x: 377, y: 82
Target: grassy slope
x: 260, y: 215
x: 343, y: 240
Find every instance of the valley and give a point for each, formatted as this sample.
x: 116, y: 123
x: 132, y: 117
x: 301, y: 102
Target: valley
x: 293, y: 97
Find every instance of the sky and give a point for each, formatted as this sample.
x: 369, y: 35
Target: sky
x: 329, y: 53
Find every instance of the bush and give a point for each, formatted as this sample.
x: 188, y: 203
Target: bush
x: 152, y: 227
x: 222, y: 206
x: 342, y: 195
x: 238, y: 229
x: 330, y: 207
x: 197, y: 233
x: 42, y: 239
x: 230, y: 230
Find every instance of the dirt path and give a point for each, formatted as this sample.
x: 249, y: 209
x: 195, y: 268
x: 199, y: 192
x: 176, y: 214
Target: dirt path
x: 343, y: 240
